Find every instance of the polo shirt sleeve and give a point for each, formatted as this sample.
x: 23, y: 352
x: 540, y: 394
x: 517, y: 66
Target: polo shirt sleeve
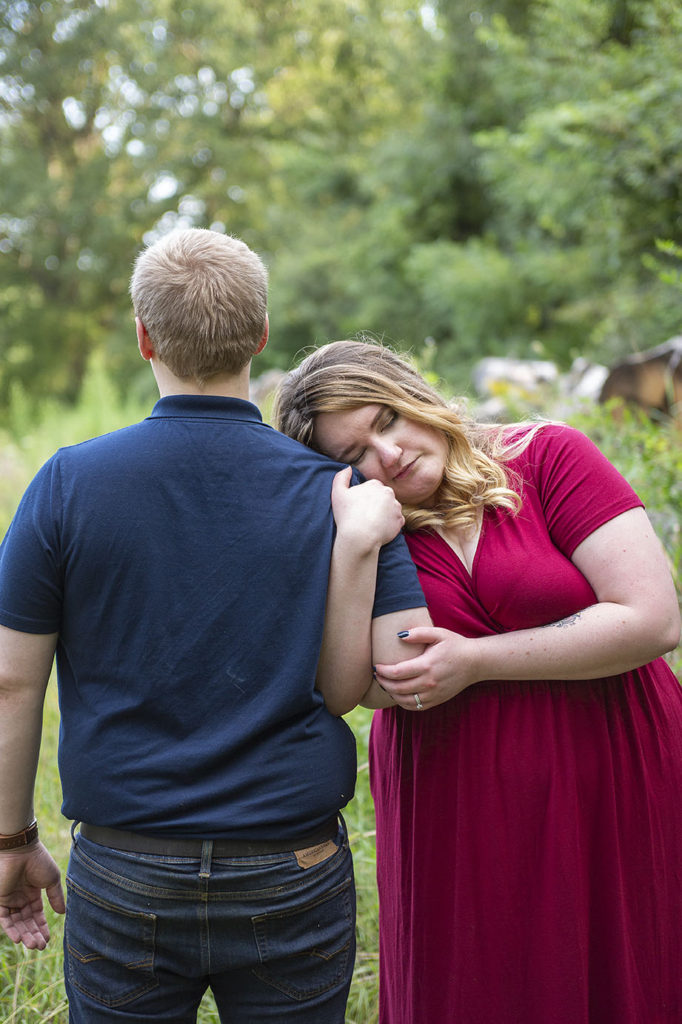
x: 398, y: 586
x: 30, y: 564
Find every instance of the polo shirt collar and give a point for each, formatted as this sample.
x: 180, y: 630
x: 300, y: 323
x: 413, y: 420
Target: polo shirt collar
x: 205, y: 407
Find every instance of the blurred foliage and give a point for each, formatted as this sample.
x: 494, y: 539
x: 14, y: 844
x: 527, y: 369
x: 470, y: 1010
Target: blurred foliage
x: 488, y: 178
x: 649, y: 455
x: 586, y: 177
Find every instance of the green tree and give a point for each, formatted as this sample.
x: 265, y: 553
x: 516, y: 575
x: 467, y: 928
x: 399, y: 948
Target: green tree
x: 122, y: 118
x: 586, y: 177
x: 108, y: 120
x: 483, y: 179
x: 515, y: 206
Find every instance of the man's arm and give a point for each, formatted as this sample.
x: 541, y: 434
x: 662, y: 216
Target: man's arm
x: 25, y: 665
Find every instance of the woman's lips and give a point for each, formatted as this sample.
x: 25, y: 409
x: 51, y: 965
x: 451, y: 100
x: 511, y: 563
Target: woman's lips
x: 405, y: 470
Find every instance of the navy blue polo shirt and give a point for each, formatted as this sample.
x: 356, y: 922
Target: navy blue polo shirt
x: 184, y: 563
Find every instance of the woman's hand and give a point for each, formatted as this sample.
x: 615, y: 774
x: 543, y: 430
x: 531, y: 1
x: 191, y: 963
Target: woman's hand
x: 446, y: 667
x: 367, y: 515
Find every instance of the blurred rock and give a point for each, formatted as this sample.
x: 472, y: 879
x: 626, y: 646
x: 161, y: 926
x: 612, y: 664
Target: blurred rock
x: 509, y: 389
x: 495, y: 374
x: 584, y: 379
x: 263, y: 387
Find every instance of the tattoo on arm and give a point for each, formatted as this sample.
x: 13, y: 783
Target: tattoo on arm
x: 570, y: 620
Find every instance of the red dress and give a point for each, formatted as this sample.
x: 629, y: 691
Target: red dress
x: 529, y: 834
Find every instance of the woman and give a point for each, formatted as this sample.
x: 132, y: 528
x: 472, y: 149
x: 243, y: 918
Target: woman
x: 529, y: 846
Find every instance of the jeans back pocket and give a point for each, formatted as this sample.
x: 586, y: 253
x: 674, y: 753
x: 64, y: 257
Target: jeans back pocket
x: 310, y: 948
x: 108, y: 950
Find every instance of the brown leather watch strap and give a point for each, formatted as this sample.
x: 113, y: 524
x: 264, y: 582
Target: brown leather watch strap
x: 19, y: 839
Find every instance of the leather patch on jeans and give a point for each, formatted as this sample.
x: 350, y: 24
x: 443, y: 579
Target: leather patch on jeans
x: 315, y: 854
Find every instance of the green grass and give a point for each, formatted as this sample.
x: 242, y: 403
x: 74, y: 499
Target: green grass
x: 31, y: 985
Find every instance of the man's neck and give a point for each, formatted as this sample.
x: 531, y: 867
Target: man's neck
x: 221, y: 385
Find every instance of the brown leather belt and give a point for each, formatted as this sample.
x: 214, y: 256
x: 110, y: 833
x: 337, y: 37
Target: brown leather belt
x: 135, y: 842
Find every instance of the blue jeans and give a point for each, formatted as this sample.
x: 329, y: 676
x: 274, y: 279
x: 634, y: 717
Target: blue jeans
x: 145, y: 936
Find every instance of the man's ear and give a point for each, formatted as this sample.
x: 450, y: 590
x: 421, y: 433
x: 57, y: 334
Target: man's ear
x: 144, y: 342
x: 264, y: 340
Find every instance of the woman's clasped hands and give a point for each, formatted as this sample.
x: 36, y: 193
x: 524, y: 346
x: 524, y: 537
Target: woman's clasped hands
x: 445, y: 668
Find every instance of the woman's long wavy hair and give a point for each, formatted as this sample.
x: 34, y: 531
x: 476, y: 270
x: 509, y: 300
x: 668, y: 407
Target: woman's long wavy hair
x: 345, y: 375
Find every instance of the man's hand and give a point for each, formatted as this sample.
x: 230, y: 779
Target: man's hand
x: 23, y: 875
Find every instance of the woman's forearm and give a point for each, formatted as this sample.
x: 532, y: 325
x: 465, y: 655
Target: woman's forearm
x: 367, y: 516
x: 602, y: 640
x: 605, y: 639
x: 345, y: 666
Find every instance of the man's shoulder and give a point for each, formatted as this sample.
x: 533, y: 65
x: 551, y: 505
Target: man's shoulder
x: 110, y: 438
x: 302, y: 455
x: 94, y: 449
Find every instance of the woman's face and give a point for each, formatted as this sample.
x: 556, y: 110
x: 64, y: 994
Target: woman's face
x: 406, y: 456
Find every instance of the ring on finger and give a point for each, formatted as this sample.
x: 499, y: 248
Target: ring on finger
x: 418, y: 702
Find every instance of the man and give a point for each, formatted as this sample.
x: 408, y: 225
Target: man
x: 180, y: 569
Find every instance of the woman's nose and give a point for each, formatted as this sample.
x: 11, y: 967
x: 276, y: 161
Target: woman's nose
x: 388, y: 452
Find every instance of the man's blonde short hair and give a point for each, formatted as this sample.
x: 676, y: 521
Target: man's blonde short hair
x: 202, y: 297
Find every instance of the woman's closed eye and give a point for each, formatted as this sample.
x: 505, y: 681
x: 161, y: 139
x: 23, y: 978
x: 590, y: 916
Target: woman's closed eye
x: 382, y: 423
x: 387, y: 420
